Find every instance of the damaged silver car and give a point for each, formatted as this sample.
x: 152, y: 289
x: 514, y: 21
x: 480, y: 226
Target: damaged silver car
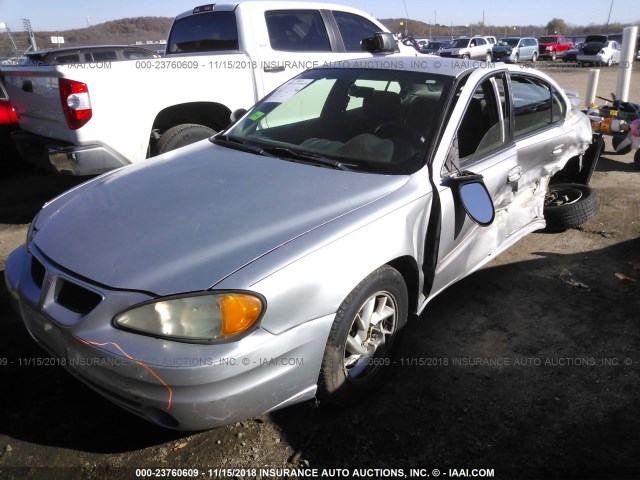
x: 281, y: 259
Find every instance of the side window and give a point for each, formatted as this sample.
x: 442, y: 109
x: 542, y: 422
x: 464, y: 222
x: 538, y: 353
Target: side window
x: 484, y: 126
x: 353, y: 28
x: 535, y: 103
x: 297, y: 31
x: 104, y: 56
x: 64, y: 59
x: 481, y: 41
x: 135, y: 54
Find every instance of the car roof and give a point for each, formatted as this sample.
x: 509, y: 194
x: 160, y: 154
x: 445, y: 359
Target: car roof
x: 45, y: 51
x: 271, y: 5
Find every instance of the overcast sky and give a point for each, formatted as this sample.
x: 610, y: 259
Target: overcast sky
x: 46, y: 15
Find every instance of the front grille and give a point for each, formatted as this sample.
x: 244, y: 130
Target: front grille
x: 76, y: 298
x: 38, y: 272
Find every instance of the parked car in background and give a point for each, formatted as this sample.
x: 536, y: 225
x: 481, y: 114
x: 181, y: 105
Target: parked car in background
x: 474, y: 48
x: 600, y: 53
x: 286, y: 261
x: 515, y: 49
x: 491, y: 39
x: 551, y: 46
x: 432, y: 48
x: 571, y: 55
x: 86, y: 54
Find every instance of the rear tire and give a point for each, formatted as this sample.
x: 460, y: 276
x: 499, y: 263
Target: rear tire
x: 363, y: 337
x: 569, y: 205
x: 180, y: 136
x: 534, y: 59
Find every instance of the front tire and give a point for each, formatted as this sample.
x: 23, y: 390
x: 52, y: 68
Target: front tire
x: 534, y: 59
x: 488, y: 57
x: 180, y: 136
x: 363, y: 337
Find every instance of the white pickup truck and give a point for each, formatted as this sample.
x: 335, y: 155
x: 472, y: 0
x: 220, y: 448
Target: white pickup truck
x: 85, y: 119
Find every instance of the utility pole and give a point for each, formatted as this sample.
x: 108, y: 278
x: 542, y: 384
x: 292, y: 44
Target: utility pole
x: 6, y: 28
x: 609, y: 17
x: 32, y: 39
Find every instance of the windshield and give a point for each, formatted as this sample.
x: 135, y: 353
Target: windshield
x: 204, y: 32
x: 379, y: 121
x: 460, y: 43
x: 509, y: 42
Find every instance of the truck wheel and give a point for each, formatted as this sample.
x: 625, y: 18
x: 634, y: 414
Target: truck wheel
x: 553, y: 56
x: 568, y: 205
x: 363, y: 336
x: 179, y: 136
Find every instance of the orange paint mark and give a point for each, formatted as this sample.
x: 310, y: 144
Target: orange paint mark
x: 139, y: 362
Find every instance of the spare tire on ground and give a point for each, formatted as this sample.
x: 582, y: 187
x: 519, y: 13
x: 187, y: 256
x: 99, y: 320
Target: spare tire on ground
x: 569, y: 205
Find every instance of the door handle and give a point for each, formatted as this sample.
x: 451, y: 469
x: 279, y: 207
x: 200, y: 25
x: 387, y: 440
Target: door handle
x: 514, y: 174
x: 558, y: 150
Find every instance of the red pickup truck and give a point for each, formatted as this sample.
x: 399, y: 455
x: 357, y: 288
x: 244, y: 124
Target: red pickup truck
x: 550, y: 46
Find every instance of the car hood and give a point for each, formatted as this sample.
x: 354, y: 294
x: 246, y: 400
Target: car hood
x: 184, y: 221
x: 501, y: 48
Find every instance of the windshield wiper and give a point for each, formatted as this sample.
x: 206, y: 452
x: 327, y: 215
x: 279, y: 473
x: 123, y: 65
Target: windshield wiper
x: 238, y: 144
x: 283, y: 152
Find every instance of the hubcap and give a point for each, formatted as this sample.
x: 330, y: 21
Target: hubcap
x: 564, y: 196
x: 370, y: 336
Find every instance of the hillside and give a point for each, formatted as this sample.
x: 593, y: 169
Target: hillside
x: 123, y: 31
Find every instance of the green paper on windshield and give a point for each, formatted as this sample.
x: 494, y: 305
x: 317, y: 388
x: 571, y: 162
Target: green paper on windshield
x: 256, y: 116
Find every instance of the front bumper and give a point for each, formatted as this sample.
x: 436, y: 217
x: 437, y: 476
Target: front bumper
x: 66, y: 158
x: 176, y: 385
x: 583, y: 58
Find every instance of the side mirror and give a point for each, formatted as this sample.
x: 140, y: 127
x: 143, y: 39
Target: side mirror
x: 237, y: 115
x: 381, y: 42
x: 475, y: 198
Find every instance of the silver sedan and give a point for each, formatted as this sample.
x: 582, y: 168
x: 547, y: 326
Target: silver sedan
x: 281, y: 259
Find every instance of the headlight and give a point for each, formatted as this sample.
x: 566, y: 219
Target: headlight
x: 209, y: 317
x: 509, y: 52
x: 455, y: 52
x: 601, y: 52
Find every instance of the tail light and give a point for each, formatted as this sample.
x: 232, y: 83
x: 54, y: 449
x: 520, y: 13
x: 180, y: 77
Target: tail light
x: 7, y: 113
x: 75, y: 102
